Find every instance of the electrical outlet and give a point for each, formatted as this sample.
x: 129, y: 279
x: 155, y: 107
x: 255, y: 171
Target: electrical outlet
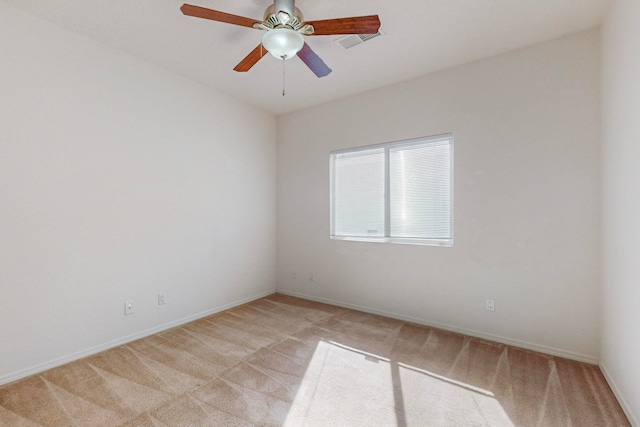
x: 161, y: 299
x: 312, y: 277
x: 293, y: 275
x: 491, y: 305
x: 129, y: 308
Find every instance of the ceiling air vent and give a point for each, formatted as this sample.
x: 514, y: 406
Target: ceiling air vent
x: 352, y: 40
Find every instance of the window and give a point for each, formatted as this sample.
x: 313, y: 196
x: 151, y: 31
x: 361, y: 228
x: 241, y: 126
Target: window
x: 400, y: 192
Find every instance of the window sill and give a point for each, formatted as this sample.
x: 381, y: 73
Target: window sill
x: 399, y: 240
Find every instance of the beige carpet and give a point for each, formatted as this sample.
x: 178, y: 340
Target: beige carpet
x: 282, y: 361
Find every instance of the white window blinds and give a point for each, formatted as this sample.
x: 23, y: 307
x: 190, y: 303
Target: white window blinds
x: 397, y: 192
x: 359, y: 193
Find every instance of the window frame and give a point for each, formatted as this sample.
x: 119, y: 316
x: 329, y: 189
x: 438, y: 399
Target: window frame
x: 387, y: 147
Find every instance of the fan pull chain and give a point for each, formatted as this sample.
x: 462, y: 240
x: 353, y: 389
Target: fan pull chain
x: 283, y: 58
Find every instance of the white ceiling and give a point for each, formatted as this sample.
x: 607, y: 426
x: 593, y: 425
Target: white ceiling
x: 421, y: 36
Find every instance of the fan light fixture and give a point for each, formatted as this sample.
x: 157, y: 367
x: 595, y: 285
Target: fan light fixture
x: 284, y: 28
x: 283, y: 43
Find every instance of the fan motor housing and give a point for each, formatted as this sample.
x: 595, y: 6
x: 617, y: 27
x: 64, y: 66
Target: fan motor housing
x: 271, y: 16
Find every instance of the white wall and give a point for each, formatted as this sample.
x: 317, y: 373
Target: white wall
x: 119, y: 180
x: 527, y: 200
x: 621, y: 203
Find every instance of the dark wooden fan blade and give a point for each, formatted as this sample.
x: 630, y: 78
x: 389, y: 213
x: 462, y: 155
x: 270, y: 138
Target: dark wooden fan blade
x: 355, y: 25
x: 251, y: 59
x: 313, y: 61
x: 215, y: 15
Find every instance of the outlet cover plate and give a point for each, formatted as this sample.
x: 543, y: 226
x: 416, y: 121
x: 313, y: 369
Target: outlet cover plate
x: 129, y: 307
x: 491, y: 305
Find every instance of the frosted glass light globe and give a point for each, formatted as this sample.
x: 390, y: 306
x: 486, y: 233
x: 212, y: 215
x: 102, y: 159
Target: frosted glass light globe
x: 283, y: 42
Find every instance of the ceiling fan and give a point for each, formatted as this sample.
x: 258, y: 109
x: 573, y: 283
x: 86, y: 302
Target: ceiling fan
x: 285, y: 28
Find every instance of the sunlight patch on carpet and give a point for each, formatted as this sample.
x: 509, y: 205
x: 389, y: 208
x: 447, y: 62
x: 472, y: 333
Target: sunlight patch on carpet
x: 346, y: 386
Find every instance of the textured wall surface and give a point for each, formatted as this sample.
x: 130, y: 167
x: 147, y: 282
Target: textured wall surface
x: 119, y: 180
x: 621, y: 203
x: 527, y: 200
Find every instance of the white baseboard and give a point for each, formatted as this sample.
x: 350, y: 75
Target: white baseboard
x: 616, y: 391
x: 497, y: 338
x: 14, y: 376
